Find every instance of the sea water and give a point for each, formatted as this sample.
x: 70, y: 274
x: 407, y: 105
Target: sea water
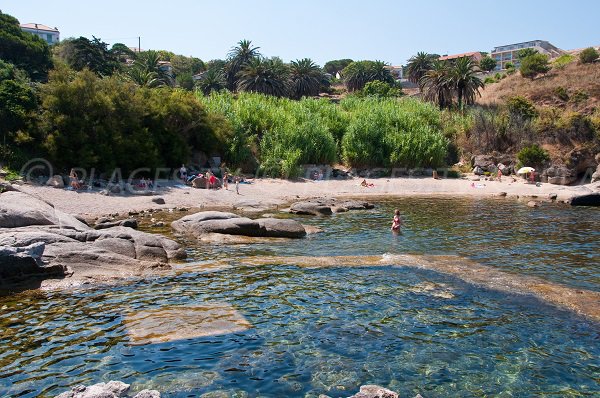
x: 300, y: 330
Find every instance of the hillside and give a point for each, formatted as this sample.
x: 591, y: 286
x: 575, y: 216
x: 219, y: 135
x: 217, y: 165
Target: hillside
x: 575, y: 87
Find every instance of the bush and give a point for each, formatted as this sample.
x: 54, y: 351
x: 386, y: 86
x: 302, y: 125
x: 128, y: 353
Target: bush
x: 533, y: 65
x: 521, y: 107
x: 588, y: 56
x: 563, y: 61
x: 533, y: 156
x: 579, y: 96
x: 489, y: 80
x: 561, y: 93
x: 105, y: 123
x: 487, y: 63
x: 380, y: 89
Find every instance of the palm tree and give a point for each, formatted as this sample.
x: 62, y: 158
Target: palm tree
x: 359, y: 73
x: 212, y: 80
x: 267, y: 76
x: 436, y: 84
x: 237, y: 58
x: 306, y: 78
x: 147, y: 70
x: 418, y: 65
x: 465, y: 81
x: 144, y: 78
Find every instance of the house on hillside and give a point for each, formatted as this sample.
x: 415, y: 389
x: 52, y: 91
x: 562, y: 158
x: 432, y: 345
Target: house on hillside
x: 46, y: 33
x: 475, y: 56
x: 396, y: 71
x: 509, y: 53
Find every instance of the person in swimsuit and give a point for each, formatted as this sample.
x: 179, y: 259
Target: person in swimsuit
x: 397, y: 222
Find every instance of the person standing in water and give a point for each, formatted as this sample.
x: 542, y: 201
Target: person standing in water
x: 397, y: 221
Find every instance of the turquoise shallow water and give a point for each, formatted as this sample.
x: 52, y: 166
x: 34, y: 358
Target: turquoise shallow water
x: 329, y: 330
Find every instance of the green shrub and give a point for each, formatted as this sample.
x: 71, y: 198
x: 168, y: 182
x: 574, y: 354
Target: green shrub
x: 534, y: 65
x: 522, y: 107
x: 579, y: 96
x: 489, y: 80
x: 563, y: 61
x: 588, y: 56
x: 561, y: 93
x: 533, y: 156
x: 380, y: 89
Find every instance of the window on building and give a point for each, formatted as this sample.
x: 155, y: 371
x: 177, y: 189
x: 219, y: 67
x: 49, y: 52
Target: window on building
x: 49, y: 37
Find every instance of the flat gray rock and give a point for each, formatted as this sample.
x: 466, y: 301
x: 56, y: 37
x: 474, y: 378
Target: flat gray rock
x: 38, y: 242
x: 211, y: 222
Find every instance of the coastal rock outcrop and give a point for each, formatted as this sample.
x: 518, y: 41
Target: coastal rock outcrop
x: 591, y: 199
x: 210, y: 222
x: 112, y: 389
x: 39, y: 241
x: 327, y: 206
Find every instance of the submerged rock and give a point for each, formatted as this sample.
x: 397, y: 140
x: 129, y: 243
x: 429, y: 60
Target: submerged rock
x: 326, y: 206
x: 211, y: 222
x: 112, y: 389
x: 372, y: 391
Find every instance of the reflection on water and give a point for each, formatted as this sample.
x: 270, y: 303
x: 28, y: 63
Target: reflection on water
x: 331, y: 329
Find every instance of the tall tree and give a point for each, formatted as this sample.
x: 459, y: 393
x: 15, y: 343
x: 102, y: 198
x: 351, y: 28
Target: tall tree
x: 25, y: 50
x: 212, y: 80
x: 306, y: 78
x: 463, y: 75
x: 266, y: 76
x: 436, y: 84
x: 487, y: 63
x: 92, y: 54
x: 335, y: 66
x: 147, y: 70
x: 238, y: 58
x: 418, y: 65
x: 18, y: 101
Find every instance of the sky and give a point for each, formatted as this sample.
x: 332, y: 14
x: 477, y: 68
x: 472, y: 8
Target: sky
x: 389, y: 31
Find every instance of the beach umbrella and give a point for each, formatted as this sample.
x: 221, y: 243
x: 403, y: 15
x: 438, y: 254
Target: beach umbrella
x: 525, y: 170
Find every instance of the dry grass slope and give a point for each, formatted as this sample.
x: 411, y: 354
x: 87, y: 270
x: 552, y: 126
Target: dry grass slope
x: 581, y: 84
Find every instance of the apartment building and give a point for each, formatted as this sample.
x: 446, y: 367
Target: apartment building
x: 46, y: 33
x: 509, y: 53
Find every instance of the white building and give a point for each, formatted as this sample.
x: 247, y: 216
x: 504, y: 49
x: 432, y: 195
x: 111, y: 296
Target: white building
x: 48, y: 34
x: 510, y: 53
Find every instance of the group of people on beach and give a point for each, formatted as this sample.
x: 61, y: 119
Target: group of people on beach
x: 211, y: 181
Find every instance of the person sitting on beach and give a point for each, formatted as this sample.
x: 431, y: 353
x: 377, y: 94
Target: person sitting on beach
x: 183, y: 173
x: 364, y: 183
x: 397, y: 221
x: 74, y: 180
x: 212, y: 181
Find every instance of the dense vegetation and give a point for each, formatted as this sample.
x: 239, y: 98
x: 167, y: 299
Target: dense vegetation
x: 282, y: 134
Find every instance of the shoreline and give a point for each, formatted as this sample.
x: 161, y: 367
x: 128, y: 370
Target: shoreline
x: 274, y: 194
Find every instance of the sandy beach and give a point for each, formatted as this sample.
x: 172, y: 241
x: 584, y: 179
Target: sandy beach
x: 264, y: 194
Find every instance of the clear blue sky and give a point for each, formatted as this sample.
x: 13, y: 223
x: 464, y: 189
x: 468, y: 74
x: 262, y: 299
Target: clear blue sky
x: 322, y: 30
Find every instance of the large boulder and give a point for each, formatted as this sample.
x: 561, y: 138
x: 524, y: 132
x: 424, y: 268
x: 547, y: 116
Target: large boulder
x: 559, y: 175
x: 327, y: 206
x: 591, y: 199
x: 211, y: 222
x: 18, y: 209
x: 67, y: 246
x: 18, y: 263
x: 483, y: 162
